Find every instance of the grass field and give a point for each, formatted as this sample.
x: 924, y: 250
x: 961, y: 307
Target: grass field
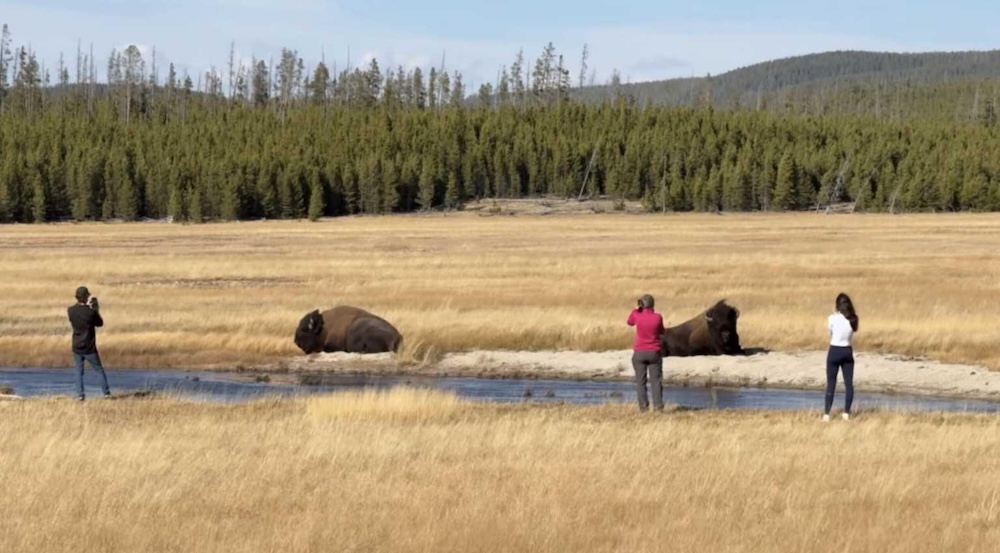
x: 231, y: 294
x: 416, y: 471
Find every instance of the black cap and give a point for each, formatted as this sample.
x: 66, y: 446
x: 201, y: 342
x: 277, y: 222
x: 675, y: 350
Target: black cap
x: 82, y: 292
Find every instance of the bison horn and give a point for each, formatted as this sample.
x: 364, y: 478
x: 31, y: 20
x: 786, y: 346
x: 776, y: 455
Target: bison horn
x: 708, y: 317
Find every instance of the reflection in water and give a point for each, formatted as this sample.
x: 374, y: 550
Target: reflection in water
x: 232, y: 387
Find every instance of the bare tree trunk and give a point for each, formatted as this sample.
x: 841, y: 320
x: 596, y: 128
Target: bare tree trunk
x: 892, y: 201
x: 586, y: 175
x: 79, y: 59
x: 232, y: 62
x: 90, y: 88
x: 156, y: 81
x: 838, y: 188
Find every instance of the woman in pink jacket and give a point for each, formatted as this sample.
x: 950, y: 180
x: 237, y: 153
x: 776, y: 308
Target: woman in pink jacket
x: 646, y: 356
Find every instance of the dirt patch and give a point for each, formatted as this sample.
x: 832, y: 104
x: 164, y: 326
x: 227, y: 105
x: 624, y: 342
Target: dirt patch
x: 552, y: 206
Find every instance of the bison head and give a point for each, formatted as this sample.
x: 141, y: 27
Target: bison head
x: 309, y: 334
x: 721, y: 319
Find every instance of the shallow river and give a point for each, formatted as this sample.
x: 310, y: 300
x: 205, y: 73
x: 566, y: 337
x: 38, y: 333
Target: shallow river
x: 233, y: 387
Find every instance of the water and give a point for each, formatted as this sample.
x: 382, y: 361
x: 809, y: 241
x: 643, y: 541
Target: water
x: 233, y: 387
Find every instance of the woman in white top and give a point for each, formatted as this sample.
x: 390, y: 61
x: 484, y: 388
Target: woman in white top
x: 842, y: 325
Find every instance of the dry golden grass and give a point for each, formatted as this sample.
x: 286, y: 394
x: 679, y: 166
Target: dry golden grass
x: 412, y: 471
x: 232, y: 294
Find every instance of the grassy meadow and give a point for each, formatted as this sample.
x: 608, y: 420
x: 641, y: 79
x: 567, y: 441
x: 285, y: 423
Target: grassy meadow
x: 419, y: 471
x: 226, y: 295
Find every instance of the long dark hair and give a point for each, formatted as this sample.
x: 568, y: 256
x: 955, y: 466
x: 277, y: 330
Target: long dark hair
x: 846, y: 308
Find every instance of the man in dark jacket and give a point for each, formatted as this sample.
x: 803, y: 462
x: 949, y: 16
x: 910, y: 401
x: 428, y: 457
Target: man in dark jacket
x: 85, y: 319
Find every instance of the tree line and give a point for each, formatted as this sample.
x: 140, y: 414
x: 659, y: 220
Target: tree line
x: 285, y: 142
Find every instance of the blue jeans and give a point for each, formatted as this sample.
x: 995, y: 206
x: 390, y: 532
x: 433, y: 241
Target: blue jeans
x: 95, y: 363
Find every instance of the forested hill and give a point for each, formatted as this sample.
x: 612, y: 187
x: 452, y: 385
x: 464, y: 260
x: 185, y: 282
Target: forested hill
x: 887, y: 67
x: 283, y: 140
x: 944, y: 86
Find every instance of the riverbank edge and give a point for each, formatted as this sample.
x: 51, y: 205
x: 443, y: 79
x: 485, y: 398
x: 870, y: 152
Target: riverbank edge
x: 803, y: 370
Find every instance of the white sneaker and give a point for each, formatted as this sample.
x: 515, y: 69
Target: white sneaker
x: 846, y: 416
x: 826, y: 418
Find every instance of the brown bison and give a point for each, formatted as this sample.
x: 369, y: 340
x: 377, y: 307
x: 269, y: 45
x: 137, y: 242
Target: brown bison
x: 346, y: 328
x: 710, y: 333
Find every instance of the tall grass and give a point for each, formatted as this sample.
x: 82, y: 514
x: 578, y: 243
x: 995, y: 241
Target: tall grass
x: 409, y: 405
x: 232, y: 294
x: 419, y: 471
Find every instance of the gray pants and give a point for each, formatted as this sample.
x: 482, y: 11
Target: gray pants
x: 650, y: 362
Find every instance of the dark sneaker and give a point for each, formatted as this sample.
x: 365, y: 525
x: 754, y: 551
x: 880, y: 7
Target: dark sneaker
x: 79, y: 398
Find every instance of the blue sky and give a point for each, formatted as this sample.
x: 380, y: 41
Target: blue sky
x: 643, y: 39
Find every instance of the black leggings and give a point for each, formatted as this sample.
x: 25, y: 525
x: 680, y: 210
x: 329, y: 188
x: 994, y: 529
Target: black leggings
x: 839, y: 358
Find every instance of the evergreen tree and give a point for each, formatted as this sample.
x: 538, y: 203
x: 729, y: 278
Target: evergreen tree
x: 428, y: 176
x: 317, y: 201
x: 432, y: 89
x: 39, y: 202
x: 786, y: 185
x: 175, y: 208
x: 232, y: 199
x: 457, y: 98
x: 261, y: 84
x: 5, y: 211
x: 195, y: 210
x: 419, y: 92
x: 390, y: 186
x: 485, y: 95
x: 453, y: 190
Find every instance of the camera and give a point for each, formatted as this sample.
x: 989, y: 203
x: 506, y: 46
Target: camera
x: 93, y: 302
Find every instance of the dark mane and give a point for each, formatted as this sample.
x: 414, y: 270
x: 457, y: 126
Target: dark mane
x: 309, y: 332
x: 721, y: 308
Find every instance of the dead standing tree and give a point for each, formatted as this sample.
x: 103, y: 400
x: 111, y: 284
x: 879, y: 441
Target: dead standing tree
x: 838, y: 187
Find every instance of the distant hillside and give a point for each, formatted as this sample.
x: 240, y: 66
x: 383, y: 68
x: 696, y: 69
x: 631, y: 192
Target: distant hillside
x: 925, y: 85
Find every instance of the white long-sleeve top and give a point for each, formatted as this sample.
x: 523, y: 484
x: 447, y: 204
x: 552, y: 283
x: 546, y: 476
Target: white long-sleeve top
x: 841, y: 332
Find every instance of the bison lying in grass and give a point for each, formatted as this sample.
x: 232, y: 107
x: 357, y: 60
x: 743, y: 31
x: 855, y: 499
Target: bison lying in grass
x: 710, y: 333
x: 346, y: 328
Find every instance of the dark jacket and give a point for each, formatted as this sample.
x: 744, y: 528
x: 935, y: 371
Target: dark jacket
x: 84, y: 321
